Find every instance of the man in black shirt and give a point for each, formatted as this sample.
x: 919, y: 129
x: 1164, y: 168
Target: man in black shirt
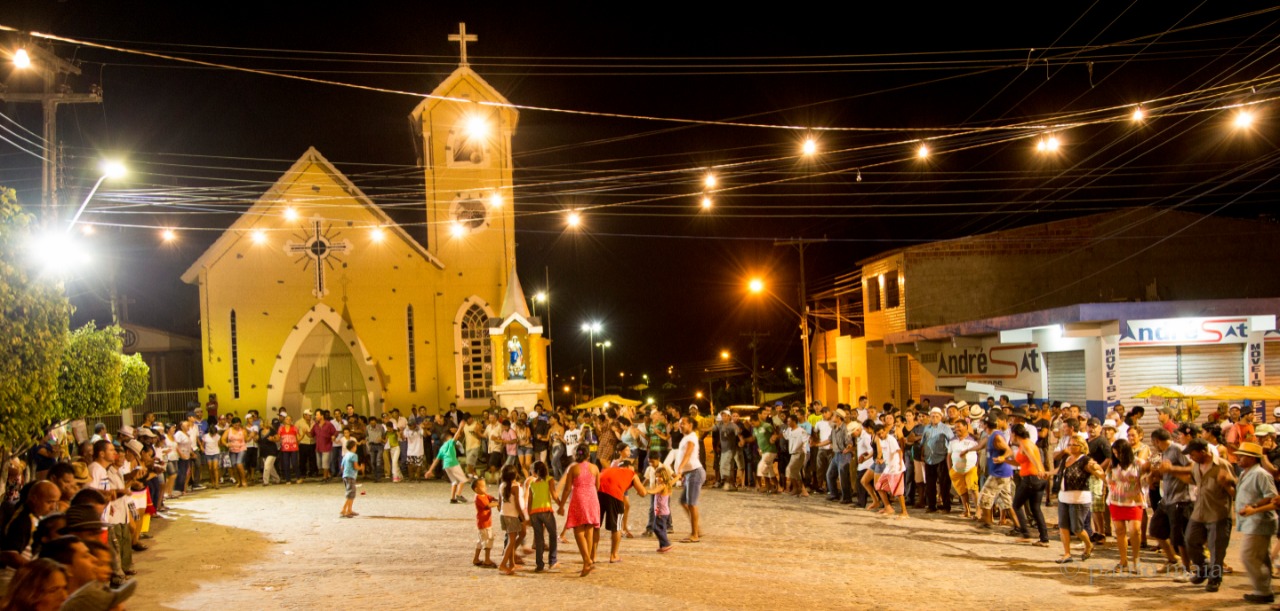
x: 1100, y: 452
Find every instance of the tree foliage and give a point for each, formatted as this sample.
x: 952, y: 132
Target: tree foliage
x: 34, y: 315
x: 135, y: 379
x: 90, y: 379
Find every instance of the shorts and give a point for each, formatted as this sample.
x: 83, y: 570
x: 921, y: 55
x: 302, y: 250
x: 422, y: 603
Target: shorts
x: 611, y: 512
x: 456, y: 476
x: 919, y: 469
x: 1125, y: 513
x: 414, y: 461
x: 511, y: 525
x: 1158, y: 526
x: 237, y: 458
x: 765, y: 468
x: 1179, y: 515
x: 511, y: 459
x: 473, y: 457
x: 349, y: 486
x: 525, y: 452
x: 997, y: 493
x: 891, y: 484
x: 962, y: 483
x: 208, y: 458
x: 171, y: 467
x: 496, y: 459
x: 795, y: 469
x: 485, y: 538
x: 692, y: 489
x: 1072, y: 517
x: 1099, y: 491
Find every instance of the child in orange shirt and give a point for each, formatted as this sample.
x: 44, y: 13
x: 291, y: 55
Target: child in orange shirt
x: 484, y: 523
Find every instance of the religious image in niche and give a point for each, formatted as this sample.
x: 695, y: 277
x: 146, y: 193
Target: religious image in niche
x: 465, y: 150
x: 515, y: 359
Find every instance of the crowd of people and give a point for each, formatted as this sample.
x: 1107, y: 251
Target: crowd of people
x: 1178, y: 491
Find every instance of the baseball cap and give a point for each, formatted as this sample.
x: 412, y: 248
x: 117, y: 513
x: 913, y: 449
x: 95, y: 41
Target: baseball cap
x: 1264, y: 429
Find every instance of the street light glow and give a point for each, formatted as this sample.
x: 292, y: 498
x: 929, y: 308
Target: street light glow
x: 21, y: 59
x: 574, y: 219
x: 923, y: 151
x: 477, y: 126
x: 1138, y: 115
x: 706, y: 202
x: 756, y: 285
x: 112, y: 169
x: 456, y: 229
x: 810, y: 147
x: 1243, y: 119
x: 168, y: 235
x: 259, y: 236
x: 591, y: 327
x: 57, y: 253
x: 290, y: 214
x: 724, y: 354
x: 87, y: 229
x: 495, y: 200
x: 540, y: 296
x: 377, y: 234
x: 698, y: 395
x: 710, y: 181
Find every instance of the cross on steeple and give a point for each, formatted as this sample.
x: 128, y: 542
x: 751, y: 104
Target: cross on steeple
x: 462, y: 38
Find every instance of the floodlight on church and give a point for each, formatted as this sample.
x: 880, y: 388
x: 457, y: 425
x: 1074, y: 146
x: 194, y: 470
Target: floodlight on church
x: 477, y: 126
x: 495, y: 200
x: 457, y: 229
x: 377, y: 234
x: 290, y: 214
x: 21, y: 59
x: 258, y: 236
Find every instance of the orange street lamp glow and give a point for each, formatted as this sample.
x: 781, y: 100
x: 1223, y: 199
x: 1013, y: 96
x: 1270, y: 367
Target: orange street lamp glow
x: 21, y: 59
x: 574, y: 220
x: 698, y: 394
x: 1139, y: 115
x: 377, y: 234
x: 495, y: 200
x: 706, y: 202
x: 168, y: 235
x: 710, y: 181
x: 922, y: 152
x: 290, y: 214
x: 724, y: 354
x: 457, y: 230
x: 810, y: 147
x: 1243, y: 119
x: 756, y: 285
x: 259, y: 236
x: 477, y: 127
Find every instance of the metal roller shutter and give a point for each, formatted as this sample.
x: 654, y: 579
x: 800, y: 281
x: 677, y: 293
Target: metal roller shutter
x: 1212, y: 365
x: 1066, y: 376
x: 1140, y: 369
x: 1271, y: 361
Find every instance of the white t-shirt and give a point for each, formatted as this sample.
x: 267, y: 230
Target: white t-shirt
x: 797, y: 439
x: 865, y: 447
x: 210, y: 443
x: 689, y: 446
x: 824, y: 431
x: 572, y: 438
x: 892, y: 454
x: 964, y: 454
x: 413, y: 443
x: 862, y: 415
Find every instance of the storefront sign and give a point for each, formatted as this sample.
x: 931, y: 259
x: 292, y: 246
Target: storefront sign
x: 1185, y: 331
x: 1110, y: 380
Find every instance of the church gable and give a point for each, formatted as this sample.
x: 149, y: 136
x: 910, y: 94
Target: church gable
x: 314, y: 215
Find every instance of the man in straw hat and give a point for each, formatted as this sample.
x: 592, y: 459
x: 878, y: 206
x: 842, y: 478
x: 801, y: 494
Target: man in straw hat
x: 1255, y: 504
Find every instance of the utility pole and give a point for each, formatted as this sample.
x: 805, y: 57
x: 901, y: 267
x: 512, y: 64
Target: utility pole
x: 51, y: 67
x: 755, y: 363
x: 800, y: 245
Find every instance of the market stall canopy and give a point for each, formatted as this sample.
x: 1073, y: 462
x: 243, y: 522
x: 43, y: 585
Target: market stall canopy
x: 743, y: 408
x: 1224, y: 393
x: 610, y: 399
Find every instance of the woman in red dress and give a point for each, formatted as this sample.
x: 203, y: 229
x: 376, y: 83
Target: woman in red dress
x: 579, y: 486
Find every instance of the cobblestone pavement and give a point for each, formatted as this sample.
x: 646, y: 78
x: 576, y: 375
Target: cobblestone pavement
x: 285, y: 547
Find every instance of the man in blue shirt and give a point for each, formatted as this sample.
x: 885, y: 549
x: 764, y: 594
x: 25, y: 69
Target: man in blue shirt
x: 1257, y: 521
x: 937, y: 480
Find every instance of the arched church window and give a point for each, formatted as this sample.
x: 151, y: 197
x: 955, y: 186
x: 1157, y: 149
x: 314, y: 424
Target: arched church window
x: 477, y: 354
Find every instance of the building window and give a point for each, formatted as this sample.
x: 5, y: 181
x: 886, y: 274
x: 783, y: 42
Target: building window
x: 873, y: 293
x: 413, y: 350
x: 892, y: 296
x: 235, y: 359
x: 477, y: 354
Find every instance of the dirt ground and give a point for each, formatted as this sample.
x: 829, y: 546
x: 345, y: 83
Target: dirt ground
x: 285, y: 547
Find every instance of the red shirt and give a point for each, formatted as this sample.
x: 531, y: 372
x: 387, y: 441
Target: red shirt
x: 484, y: 511
x: 614, y: 481
x: 288, y: 438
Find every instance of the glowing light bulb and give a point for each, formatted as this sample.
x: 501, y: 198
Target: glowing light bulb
x: 1243, y: 119
x: 1051, y: 144
x: 112, y: 169
x: 1139, y: 115
x: 21, y: 59
x: 756, y: 285
x: 87, y: 229
x: 710, y: 181
x: 495, y: 200
x: 290, y: 214
x: 706, y: 202
x: 168, y: 235
x: 258, y: 236
x: 477, y: 126
x: 377, y: 234
x: 574, y: 219
x: 923, y: 151
x: 810, y: 147
x: 457, y: 230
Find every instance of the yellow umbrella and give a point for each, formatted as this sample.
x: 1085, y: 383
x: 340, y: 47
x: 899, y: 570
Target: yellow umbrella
x: 610, y: 399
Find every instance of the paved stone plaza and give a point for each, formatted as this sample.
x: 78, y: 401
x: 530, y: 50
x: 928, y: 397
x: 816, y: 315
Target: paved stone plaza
x: 285, y: 547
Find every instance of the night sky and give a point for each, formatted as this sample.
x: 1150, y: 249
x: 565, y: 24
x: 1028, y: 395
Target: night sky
x: 664, y: 277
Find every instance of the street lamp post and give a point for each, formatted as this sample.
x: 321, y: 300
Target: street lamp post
x: 604, y: 371
x: 541, y: 296
x: 590, y: 329
x: 757, y: 286
x: 110, y: 169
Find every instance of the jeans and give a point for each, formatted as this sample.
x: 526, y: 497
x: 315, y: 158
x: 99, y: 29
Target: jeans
x: 184, y: 466
x: 289, y: 466
x: 662, y: 524
x: 375, y: 461
x: 729, y: 459
x: 544, y: 530
x: 862, y: 492
x: 823, y: 465
x: 557, y: 458
x: 653, y: 503
x: 395, y: 463
x: 1256, y: 558
x: 307, y: 459
x: 269, y: 471
x: 335, y: 460
x: 1030, y: 494
x: 1216, y: 535
x: 838, y: 483
x: 937, y: 482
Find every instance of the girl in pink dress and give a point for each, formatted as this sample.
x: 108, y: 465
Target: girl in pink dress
x: 584, y: 506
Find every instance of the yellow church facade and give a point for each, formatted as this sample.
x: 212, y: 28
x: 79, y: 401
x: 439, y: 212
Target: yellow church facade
x: 315, y: 298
